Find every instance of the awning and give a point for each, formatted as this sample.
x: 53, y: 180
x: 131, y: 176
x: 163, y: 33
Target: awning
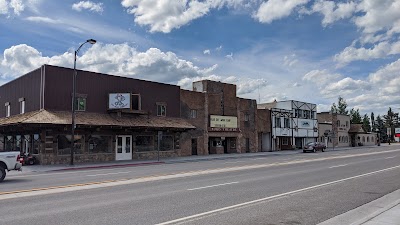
x: 96, y: 119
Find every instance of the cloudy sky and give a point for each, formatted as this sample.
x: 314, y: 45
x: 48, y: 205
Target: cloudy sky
x: 306, y: 50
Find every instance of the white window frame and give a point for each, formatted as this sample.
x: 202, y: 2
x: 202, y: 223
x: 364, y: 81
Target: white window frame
x: 278, y: 122
x: 286, y: 122
x: 193, y: 113
x: 285, y: 141
x: 161, y: 112
x: 21, y: 105
x: 8, y: 109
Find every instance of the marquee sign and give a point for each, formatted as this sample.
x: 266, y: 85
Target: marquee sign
x: 223, y: 123
x: 119, y: 100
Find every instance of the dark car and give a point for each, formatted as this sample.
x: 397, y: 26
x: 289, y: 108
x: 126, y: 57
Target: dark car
x: 314, y: 146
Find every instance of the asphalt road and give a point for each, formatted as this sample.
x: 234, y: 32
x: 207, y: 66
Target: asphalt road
x: 288, y: 189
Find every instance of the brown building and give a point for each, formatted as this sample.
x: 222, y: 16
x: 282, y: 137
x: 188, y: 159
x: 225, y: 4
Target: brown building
x: 224, y: 122
x: 117, y: 118
x: 339, y: 132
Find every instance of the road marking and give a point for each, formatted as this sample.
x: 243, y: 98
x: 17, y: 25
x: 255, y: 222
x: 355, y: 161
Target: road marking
x: 109, y: 183
x: 197, y: 216
x: 390, y: 157
x: 216, y: 185
x: 338, y: 166
x: 233, y: 162
x: 105, y: 174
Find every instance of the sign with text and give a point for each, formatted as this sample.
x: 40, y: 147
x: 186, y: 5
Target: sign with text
x: 397, y: 130
x: 119, y: 100
x: 223, y: 129
x: 223, y: 121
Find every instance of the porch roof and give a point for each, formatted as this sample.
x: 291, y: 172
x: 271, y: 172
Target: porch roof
x: 95, y: 119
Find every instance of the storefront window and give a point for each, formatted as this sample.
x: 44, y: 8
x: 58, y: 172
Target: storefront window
x: 144, y: 143
x: 26, y: 144
x: 2, y: 149
x: 36, y: 144
x: 167, y: 143
x: 18, y: 143
x: 99, y: 144
x: 9, y: 146
x: 64, y: 144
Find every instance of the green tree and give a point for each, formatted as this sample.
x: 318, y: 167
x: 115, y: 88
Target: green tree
x: 372, y: 121
x: 380, y: 126
x: 366, y: 123
x: 355, y: 116
x: 391, y: 121
x: 341, y: 107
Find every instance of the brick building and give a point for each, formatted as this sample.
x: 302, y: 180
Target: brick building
x: 224, y: 122
x: 117, y: 118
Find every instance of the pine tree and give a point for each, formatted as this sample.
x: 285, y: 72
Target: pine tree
x: 341, y: 107
x: 366, y: 123
x: 355, y: 117
x: 391, y: 121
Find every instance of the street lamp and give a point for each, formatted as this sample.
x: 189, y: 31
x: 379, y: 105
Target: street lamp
x: 91, y: 41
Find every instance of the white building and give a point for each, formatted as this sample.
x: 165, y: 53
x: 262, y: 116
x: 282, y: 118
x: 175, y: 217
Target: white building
x: 293, y: 123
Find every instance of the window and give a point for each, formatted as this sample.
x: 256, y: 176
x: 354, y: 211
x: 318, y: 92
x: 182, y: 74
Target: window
x: 22, y: 105
x: 64, y: 144
x: 136, y: 102
x: 9, y: 143
x: 367, y: 139
x: 161, y: 109
x: 8, y: 109
x: 312, y: 114
x: 277, y: 122
x: 305, y: 114
x: 295, y: 113
x: 300, y: 113
x: 167, y: 143
x: 80, y: 104
x: 285, y: 141
x: 99, y: 144
x: 193, y: 113
x: 338, y: 123
x: 144, y: 143
x: 347, y: 123
x: 36, y: 143
x: 363, y: 139
x: 246, y: 117
x: 286, y: 123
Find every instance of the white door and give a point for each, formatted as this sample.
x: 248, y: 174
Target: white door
x: 123, y: 148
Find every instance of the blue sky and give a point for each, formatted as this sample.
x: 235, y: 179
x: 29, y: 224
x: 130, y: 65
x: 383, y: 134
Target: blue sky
x: 306, y: 50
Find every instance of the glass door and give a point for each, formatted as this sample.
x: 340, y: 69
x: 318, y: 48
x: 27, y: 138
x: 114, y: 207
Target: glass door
x: 123, y: 148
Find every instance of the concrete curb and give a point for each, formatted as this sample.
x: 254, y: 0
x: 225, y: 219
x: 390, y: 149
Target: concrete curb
x: 367, y: 211
x: 107, y: 166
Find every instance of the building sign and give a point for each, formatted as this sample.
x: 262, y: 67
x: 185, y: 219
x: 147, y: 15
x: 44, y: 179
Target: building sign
x: 223, y: 129
x: 223, y: 123
x: 119, y: 100
x: 397, y: 130
x: 305, y: 123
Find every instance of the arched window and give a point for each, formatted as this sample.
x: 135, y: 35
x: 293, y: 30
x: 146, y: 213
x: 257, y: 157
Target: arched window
x: 363, y: 139
x: 367, y: 139
x: 372, y: 139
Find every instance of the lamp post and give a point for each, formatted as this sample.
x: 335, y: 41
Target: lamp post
x: 91, y: 41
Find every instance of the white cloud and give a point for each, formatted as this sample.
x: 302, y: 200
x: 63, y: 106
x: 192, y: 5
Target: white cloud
x: 3, y: 7
x: 321, y: 77
x: 17, y: 6
x: 207, y: 52
x: 40, y: 19
x: 88, y: 5
x: 230, y: 56
x: 166, y: 15
x: 333, y: 11
x: 290, y: 61
x: 118, y: 59
x: 219, y: 48
x: 380, y: 50
x: 387, y: 78
x: 346, y: 86
x: 276, y: 9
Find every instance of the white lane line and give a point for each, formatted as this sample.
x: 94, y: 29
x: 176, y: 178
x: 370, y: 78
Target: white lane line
x: 338, y: 166
x: 216, y: 185
x: 234, y: 162
x: 105, y: 174
x: 197, y: 216
x: 390, y: 157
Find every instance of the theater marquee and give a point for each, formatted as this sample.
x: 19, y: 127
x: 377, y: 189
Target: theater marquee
x: 223, y: 123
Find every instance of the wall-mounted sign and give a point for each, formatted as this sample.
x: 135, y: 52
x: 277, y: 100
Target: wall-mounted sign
x: 119, y: 100
x: 223, y: 129
x: 223, y: 121
x: 397, y: 130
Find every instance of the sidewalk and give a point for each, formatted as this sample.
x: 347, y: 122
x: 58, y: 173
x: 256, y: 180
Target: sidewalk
x: 184, y: 159
x: 382, y: 211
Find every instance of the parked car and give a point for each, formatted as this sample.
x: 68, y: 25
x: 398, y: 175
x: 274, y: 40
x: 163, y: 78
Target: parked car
x: 9, y: 161
x: 314, y: 146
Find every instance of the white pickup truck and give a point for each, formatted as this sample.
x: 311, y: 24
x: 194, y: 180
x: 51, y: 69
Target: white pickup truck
x: 9, y: 161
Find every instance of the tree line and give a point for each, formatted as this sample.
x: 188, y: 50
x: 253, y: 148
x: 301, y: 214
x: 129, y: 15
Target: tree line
x: 370, y: 123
